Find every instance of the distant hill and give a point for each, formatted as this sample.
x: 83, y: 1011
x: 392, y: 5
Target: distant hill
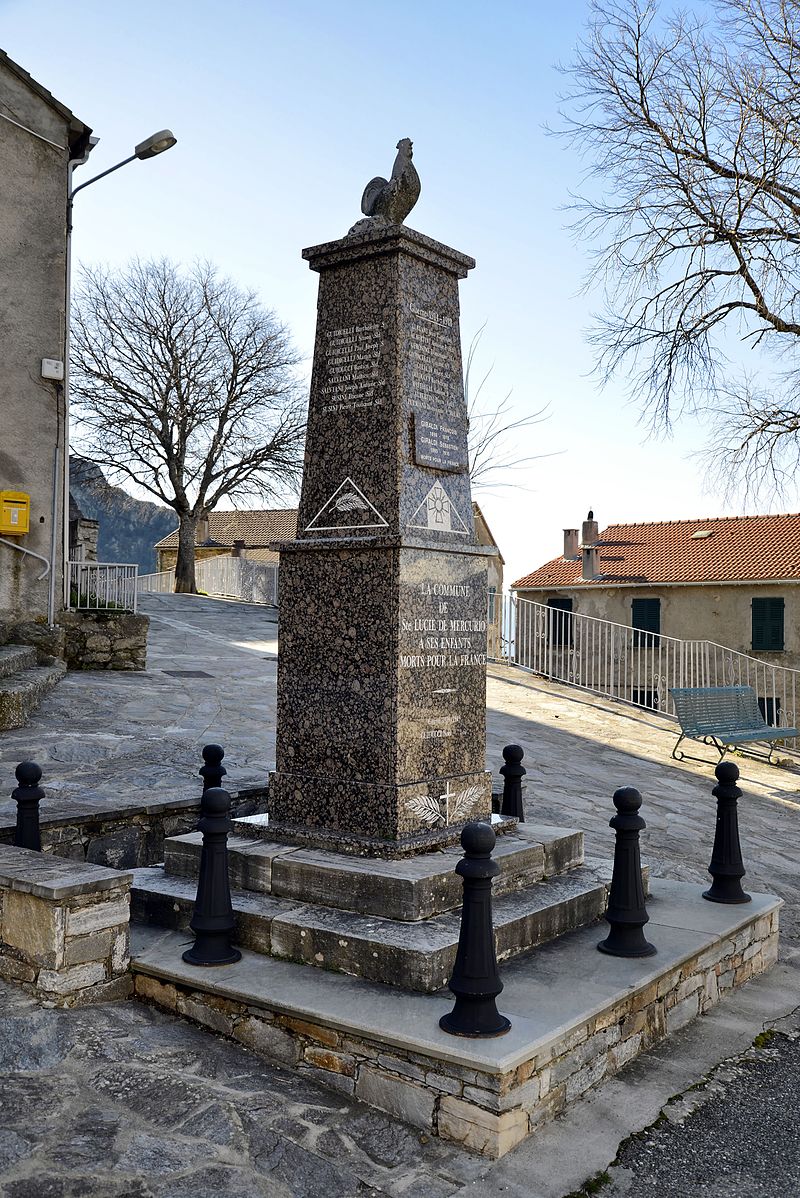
x: 129, y: 528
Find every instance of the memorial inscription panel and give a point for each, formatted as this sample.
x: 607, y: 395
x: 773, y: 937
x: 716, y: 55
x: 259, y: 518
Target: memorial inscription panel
x: 351, y: 368
x: 438, y: 443
x: 441, y: 665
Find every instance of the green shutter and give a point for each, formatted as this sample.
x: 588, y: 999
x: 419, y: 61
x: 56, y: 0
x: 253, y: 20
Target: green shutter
x: 767, y: 624
x: 646, y: 618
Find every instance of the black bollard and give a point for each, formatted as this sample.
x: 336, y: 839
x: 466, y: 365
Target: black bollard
x: 627, y: 913
x: 212, y: 921
x: 213, y: 771
x: 27, y: 834
x: 726, y: 868
x: 476, y: 980
x: 513, y: 772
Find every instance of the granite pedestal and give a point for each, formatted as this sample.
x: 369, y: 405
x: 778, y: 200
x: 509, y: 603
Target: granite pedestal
x: 383, y: 595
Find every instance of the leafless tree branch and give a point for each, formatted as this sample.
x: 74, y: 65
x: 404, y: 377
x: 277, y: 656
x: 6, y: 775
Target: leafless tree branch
x: 186, y: 386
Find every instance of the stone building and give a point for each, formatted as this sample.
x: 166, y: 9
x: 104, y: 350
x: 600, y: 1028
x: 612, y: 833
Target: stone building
x: 495, y: 565
x: 734, y: 581
x: 39, y: 140
x: 246, y: 534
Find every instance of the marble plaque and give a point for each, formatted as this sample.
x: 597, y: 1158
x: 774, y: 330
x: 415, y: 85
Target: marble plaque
x: 440, y: 444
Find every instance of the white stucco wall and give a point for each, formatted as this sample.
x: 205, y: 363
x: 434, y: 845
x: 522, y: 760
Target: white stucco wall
x: 33, y: 195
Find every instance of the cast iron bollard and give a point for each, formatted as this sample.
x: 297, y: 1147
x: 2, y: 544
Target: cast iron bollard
x: 626, y: 912
x: 726, y: 868
x: 213, y: 771
x: 27, y: 834
x: 513, y: 772
x: 212, y: 921
x: 476, y: 980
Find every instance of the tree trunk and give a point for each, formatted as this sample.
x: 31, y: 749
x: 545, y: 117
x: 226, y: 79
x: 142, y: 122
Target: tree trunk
x: 184, y: 567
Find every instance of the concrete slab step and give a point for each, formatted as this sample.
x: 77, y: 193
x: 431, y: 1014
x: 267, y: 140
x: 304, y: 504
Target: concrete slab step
x: 22, y: 692
x: 414, y: 955
x: 577, y: 1017
x: 413, y: 888
x: 14, y: 658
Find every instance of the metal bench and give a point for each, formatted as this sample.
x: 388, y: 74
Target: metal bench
x: 725, y: 716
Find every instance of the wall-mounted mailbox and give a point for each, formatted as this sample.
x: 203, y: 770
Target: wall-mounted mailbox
x: 15, y: 512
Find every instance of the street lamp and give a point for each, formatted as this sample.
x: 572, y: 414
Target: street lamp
x: 153, y: 145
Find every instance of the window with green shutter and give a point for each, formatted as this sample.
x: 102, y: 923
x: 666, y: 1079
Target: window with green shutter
x: 646, y: 621
x: 767, y: 623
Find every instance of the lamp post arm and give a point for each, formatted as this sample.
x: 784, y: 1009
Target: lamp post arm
x: 102, y: 175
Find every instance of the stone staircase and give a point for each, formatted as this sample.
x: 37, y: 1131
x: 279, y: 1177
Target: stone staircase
x: 380, y: 920
x: 23, y: 683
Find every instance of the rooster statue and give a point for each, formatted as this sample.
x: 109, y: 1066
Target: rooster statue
x: 389, y: 201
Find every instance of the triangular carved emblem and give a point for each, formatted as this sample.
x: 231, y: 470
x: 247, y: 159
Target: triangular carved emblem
x: 437, y: 514
x: 347, y: 508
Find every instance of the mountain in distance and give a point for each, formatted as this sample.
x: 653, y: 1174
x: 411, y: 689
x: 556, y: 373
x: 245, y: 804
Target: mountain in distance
x: 129, y: 528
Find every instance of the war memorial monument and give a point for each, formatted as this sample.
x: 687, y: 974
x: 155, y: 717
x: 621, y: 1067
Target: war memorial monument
x: 346, y: 900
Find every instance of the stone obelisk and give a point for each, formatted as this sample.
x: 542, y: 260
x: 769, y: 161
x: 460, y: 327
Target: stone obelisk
x: 383, y: 595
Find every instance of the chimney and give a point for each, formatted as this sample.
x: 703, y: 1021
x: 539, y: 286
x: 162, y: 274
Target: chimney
x: 571, y: 550
x: 591, y: 530
x: 590, y: 562
x: 201, y: 530
x: 238, y: 549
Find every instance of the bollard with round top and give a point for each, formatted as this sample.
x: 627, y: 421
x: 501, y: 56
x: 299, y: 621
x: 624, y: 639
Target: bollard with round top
x: 513, y: 772
x: 212, y: 922
x: 726, y: 868
x: 27, y: 834
x: 476, y: 980
x: 213, y: 771
x: 627, y: 913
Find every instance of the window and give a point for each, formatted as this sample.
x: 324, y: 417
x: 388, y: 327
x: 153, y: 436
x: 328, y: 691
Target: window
x: 560, y: 621
x: 767, y: 624
x: 646, y: 622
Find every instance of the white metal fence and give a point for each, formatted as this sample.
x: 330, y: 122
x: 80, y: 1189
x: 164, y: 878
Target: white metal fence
x: 162, y: 583
x: 238, y: 578
x: 630, y: 664
x: 226, y: 576
x: 97, y: 586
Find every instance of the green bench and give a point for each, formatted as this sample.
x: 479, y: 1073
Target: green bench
x: 725, y: 716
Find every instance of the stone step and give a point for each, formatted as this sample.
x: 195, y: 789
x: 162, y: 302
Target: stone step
x: 14, y: 658
x: 22, y: 692
x: 577, y: 1017
x: 410, y: 889
x: 417, y: 956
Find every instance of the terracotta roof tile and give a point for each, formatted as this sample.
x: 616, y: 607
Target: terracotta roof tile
x: 257, y: 529
x: 740, y: 549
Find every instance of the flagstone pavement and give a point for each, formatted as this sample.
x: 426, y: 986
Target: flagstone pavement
x: 122, y: 1101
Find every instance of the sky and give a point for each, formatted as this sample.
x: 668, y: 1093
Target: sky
x: 283, y: 111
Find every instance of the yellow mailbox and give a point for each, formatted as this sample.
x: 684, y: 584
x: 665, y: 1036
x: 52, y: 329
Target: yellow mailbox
x: 15, y: 511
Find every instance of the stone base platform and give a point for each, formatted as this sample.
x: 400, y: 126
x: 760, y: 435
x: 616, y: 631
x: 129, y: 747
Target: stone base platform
x: 410, y: 889
x: 578, y: 1016
x: 417, y: 956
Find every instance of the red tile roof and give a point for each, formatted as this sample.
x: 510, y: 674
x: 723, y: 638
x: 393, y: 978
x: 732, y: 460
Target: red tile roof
x: 740, y: 549
x: 256, y: 528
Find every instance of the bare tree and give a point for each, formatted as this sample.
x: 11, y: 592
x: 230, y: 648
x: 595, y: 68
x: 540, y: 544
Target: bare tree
x: 493, y: 450
x: 185, y: 385
x: 691, y: 130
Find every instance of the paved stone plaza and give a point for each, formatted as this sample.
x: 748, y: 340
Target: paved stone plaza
x: 119, y: 1100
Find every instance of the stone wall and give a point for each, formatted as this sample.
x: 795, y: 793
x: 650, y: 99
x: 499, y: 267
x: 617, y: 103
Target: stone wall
x: 488, y: 1111
x: 105, y: 640
x: 64, y: 928
x: 128, y: 834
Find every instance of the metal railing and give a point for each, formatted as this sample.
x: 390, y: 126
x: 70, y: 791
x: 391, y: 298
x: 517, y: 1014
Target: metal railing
x: 100, y: 586
x: 226, y: 576
x: 237, y: 578
x: 162, y: 583
x: 629, y: 664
